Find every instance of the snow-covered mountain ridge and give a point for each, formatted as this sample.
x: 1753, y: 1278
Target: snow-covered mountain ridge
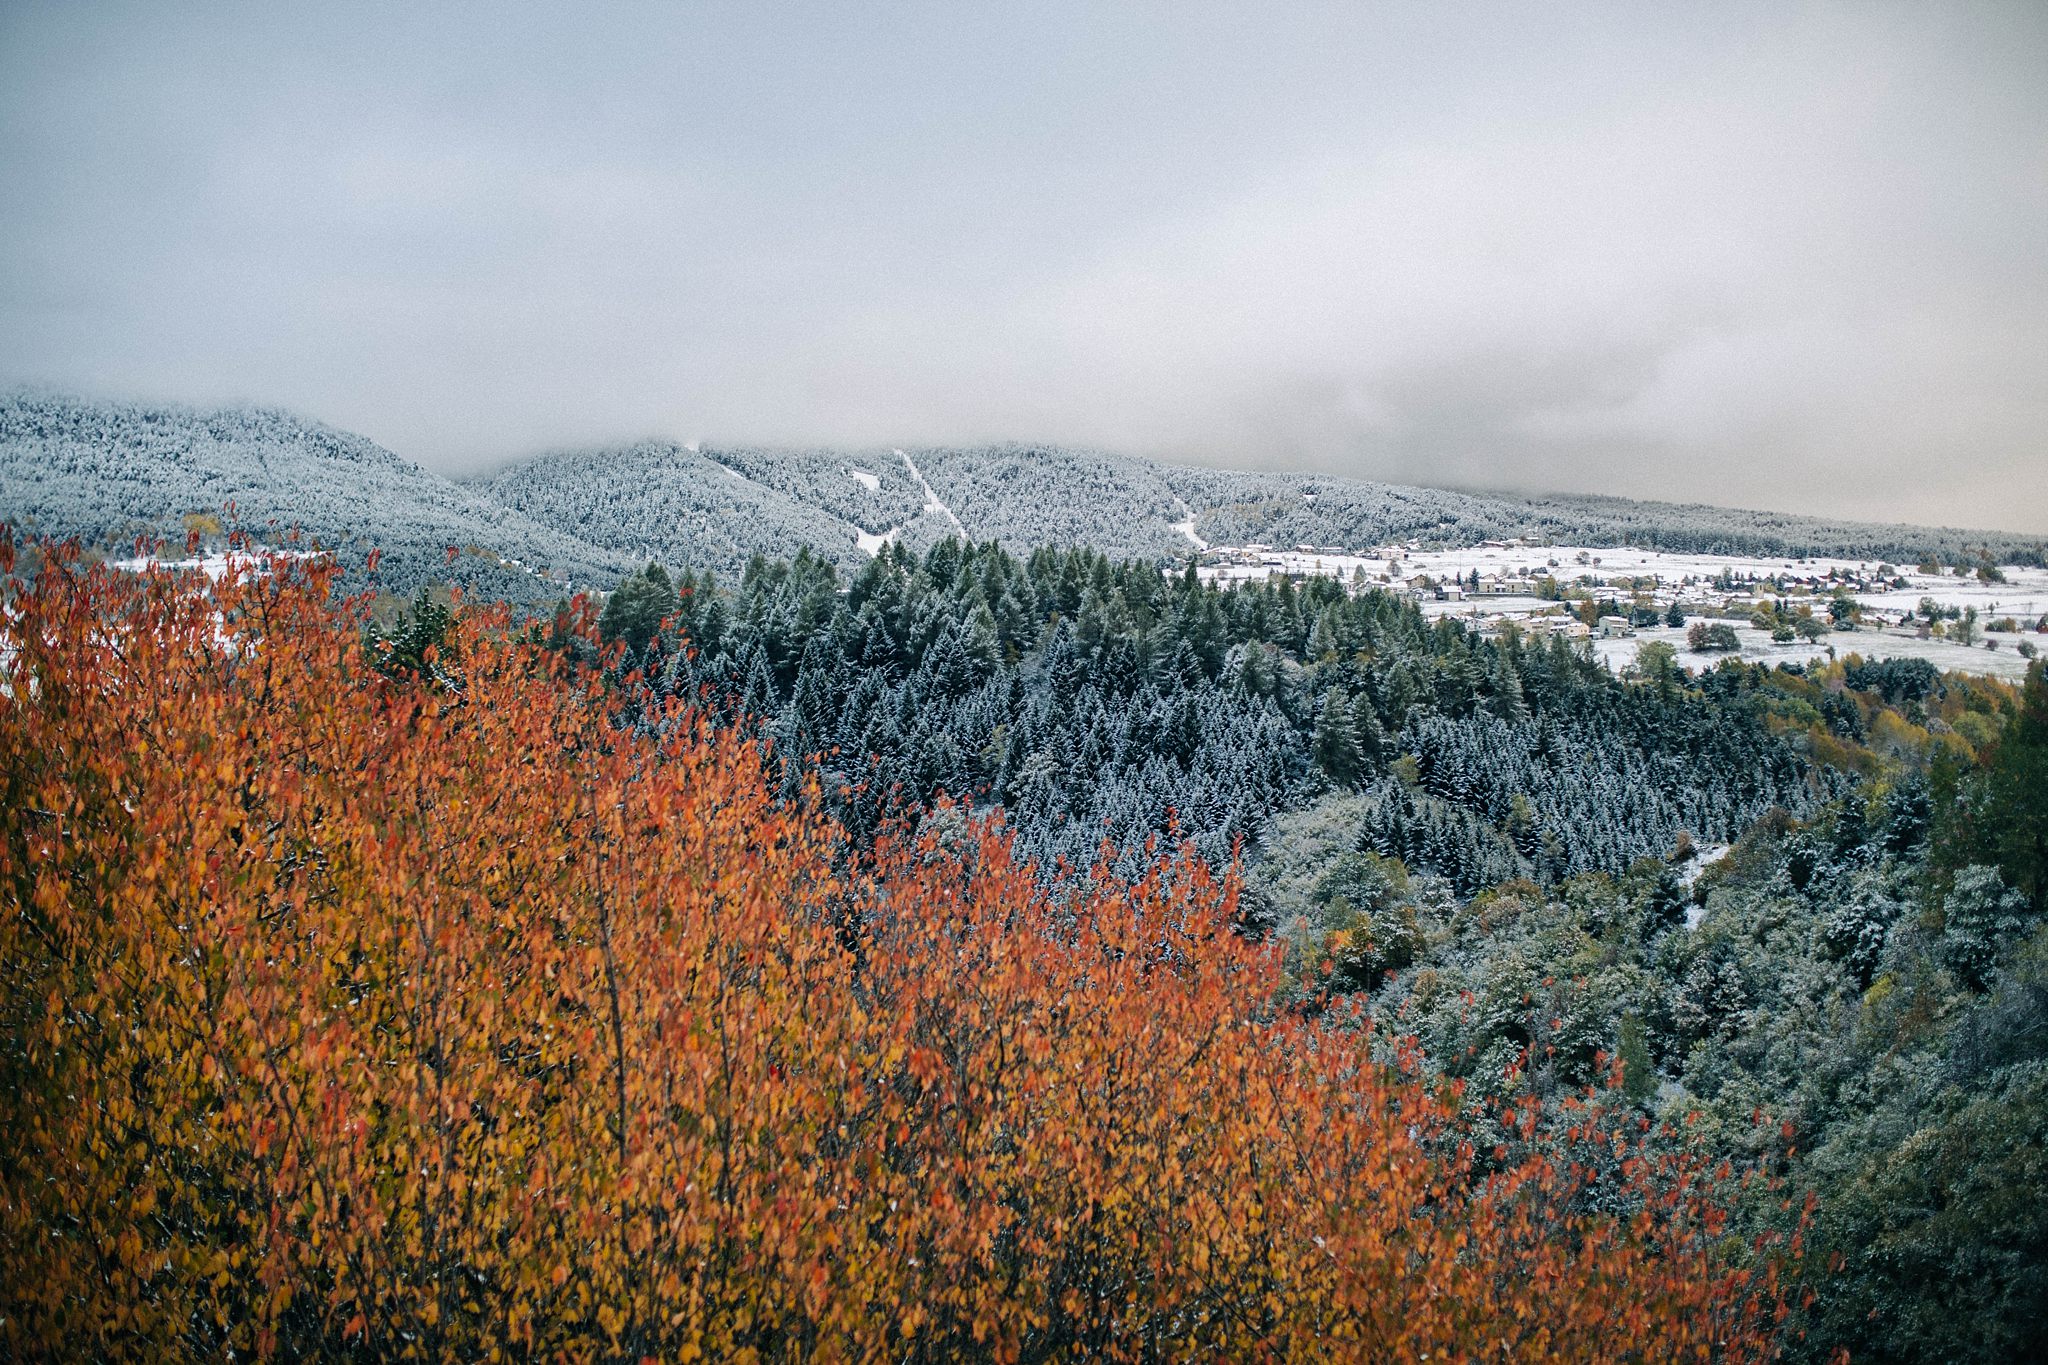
x: 106, y: 472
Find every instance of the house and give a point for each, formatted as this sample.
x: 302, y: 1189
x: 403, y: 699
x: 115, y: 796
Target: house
x: 1611, y: 626
x: 1577, y: 630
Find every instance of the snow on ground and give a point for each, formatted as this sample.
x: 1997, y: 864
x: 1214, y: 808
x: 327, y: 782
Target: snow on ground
x: 2024, y: 594
x: 871, y: 482
x: 214, y: 566
x: 1186, y: 525
x: 871, y: 544
x: 931, y: 499
x: 1757, y: 647
x: 1704, y: 856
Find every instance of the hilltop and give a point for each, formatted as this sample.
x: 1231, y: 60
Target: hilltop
x: 108, y: 473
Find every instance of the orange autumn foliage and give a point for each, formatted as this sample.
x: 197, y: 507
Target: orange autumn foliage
x: 351, y: 1017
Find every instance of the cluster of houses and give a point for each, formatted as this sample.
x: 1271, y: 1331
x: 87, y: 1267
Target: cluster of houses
x: 1528, y: 588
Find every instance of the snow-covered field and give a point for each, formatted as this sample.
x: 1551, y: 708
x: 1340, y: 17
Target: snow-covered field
x: 1690, y: 581
x: 1757, y: 647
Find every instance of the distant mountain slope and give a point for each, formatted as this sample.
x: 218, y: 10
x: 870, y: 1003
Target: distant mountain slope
x: 1037, y: 495
x: 715, y: 509
x: 870, y: 489
x: 106, y: 473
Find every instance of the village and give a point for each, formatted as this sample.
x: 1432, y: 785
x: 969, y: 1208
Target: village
x: 1978, y: 618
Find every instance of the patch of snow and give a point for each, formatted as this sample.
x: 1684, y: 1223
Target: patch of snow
x: 871, y: 544
x: 1703, y: 857
x: 866, y: 480
x: 214, y: 566
x: 694, y: 447
x: 1186, y: 525
x: 1758, y: 647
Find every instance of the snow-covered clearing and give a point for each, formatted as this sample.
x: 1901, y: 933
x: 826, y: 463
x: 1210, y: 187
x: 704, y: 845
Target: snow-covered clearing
x: 871, y: 482
x: 931, y: 499
x: 872, y: 544
x: 1186, y: 525
x: 1703, y: 857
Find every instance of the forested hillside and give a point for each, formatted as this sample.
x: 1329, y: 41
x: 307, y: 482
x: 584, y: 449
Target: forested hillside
x: 1817, y: 895
x: 1291, y: 509
x: 1781, y: 921
x: 1031, y: 496
x: 666, y: 501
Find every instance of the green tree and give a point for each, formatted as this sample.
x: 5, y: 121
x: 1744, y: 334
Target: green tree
x: 413, y: 646
x: 1657, y: 662
x: 1702, y: 636
x: 1507, y: 700
x: 636, y: 609
x: 1336, y: 740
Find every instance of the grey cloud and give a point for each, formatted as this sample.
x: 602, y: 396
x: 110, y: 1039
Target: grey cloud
x: 1768, y: 255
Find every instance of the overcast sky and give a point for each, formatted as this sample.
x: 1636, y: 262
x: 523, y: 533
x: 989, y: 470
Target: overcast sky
x: 1767, y: 255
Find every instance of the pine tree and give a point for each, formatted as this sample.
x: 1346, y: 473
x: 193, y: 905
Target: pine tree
x: 1507, y: 701
x: 635, y: 611
x: 1336, y: 741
